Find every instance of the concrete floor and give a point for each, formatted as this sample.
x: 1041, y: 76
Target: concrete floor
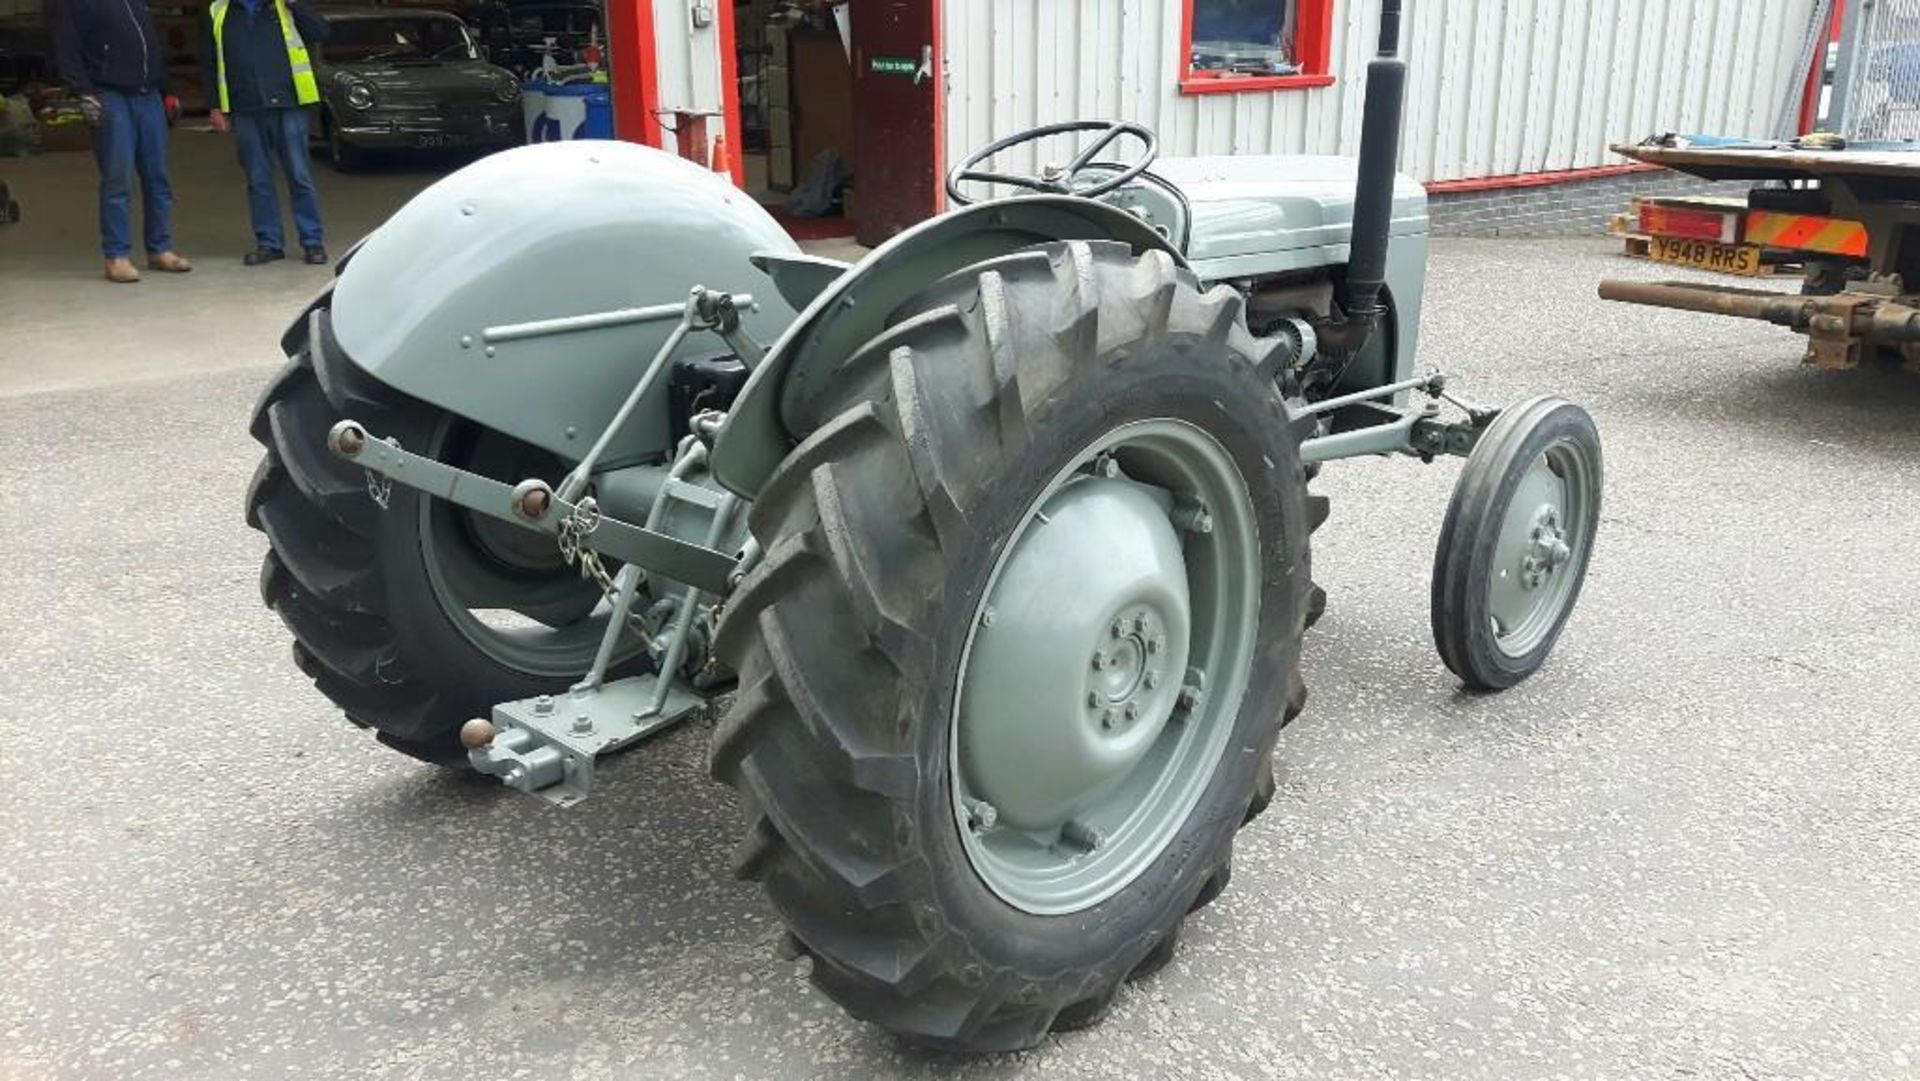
x: 1689, y: 848
x: 62, y: 318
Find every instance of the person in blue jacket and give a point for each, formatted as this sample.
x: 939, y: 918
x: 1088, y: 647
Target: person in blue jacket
x: 259, y: 73
x: 107, y: 53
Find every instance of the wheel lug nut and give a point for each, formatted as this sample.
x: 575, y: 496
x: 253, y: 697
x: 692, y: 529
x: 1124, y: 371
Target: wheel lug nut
x: 1078, y: 834
x: 1099, y: 658
x: 1193, y: 518
x: 1106, y: 718
x: 1133, y: 711
x: 1140, y: 624
x: 1155, y: 644
x: 981, y: 815
x: 1093, y: 698
x: 1119, y: 629
x: 1151, y: 679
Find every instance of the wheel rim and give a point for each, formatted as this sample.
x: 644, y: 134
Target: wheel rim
x: 1542, y: 548
x: 1105, y: 667
x: 505, y: 589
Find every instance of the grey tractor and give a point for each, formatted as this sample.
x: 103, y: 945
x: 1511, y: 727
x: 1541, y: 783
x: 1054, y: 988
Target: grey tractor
x: 989, y: 551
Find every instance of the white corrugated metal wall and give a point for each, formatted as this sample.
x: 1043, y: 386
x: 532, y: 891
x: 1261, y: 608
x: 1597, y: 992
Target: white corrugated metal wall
x: 687, y: 59
x: 1496, y: 87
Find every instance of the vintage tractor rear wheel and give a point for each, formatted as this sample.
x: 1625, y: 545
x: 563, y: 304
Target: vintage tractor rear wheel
x: 1515, y: 543
x: 414, y: 618
x: 1028, y: 625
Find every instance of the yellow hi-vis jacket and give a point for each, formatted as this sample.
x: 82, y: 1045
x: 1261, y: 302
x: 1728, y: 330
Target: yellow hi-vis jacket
x: 306, y: 90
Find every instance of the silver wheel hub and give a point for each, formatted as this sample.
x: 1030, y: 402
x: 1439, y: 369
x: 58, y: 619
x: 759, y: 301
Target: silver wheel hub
x: 1547, y: 551
x: 1072, y: 679
x: 1127, y: 683
x: 1539, y: 543
x: 1105, y: 666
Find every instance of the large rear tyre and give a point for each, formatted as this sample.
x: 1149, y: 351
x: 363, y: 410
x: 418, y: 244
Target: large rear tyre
x: 1515, y: 543
x: 417, y: 617
x: 1027, y: 628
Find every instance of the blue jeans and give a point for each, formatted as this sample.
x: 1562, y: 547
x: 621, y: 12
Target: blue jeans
x: 265, y: 136
x: 132, y: 137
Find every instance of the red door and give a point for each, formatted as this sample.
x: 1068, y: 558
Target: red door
x: 629, y: 32
x: 899, y: 96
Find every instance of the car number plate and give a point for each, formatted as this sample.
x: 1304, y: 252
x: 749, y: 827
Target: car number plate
x: 1707, y: 255
x: 438, y: 139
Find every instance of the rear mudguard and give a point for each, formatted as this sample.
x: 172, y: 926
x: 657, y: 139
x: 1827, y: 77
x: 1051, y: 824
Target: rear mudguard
x: 546, y: 231
x: 859, y: 304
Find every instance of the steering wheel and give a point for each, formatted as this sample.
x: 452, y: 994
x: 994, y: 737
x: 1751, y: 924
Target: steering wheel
x: 1055, y: 180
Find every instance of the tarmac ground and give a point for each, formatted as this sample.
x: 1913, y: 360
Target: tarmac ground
x: 1689, y: 848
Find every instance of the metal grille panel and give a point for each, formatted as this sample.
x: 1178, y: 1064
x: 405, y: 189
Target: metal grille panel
x: 1882, y: 72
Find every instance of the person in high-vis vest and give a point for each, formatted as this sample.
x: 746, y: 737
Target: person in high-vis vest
x: 257, y: 63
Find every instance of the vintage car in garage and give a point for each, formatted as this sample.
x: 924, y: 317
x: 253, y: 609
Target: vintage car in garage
x: 394, y: 79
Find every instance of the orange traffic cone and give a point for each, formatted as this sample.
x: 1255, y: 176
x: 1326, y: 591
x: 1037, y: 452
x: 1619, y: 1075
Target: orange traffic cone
x: 722, y: 160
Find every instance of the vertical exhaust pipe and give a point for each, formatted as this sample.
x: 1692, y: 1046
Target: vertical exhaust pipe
x: 1373, y: 190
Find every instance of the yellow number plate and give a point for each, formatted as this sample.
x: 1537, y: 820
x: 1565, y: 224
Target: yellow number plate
x: 1707, y: 255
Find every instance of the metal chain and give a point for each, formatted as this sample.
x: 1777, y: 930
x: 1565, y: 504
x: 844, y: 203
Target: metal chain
x: 379, y: 489
x: 574, y: 529
x: 379, y: 485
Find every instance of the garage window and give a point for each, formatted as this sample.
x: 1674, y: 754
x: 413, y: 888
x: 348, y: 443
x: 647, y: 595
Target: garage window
x: 1236, y: 45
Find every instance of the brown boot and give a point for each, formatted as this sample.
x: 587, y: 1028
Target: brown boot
x: 121, y: 270
x: 168, y: 261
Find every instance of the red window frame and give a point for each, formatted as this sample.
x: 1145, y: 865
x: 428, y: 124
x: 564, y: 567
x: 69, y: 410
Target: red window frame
x: 1313, y: 48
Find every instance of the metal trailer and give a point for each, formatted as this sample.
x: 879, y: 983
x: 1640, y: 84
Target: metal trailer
x: 1846, y: 310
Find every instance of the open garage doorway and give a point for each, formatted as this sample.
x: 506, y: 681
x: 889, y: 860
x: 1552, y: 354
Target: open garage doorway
x: 839, y: 109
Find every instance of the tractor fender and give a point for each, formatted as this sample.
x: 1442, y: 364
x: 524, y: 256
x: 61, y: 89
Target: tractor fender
x: 765, y: 420
x: 540, y: 233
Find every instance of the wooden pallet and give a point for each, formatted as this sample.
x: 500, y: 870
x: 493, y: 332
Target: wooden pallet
x: 1638, y: 245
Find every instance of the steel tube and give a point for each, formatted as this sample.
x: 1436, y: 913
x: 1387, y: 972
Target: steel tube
x: 1327, y: 405
x: 576, y: 480
x: 683, y: 619
x: 1894, y: 322
x: 1782, y: 308
x: 573, y: 324
x: 570, y: 324
x: 625, y: 584
x: 670, y: 557
x: 1373, y: 189
x: 1840, y: 99
x: 1393, y: 437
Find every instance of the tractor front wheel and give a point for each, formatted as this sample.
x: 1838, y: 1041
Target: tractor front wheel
x: 1515, y: 542
x: 1027, y: 628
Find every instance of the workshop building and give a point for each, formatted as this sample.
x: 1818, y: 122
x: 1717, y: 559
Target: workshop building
x: 1505, y: 94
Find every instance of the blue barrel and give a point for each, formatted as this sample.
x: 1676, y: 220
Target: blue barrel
x: 557, y: 111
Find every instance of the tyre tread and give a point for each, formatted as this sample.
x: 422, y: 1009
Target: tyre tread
x: 823, y: 762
